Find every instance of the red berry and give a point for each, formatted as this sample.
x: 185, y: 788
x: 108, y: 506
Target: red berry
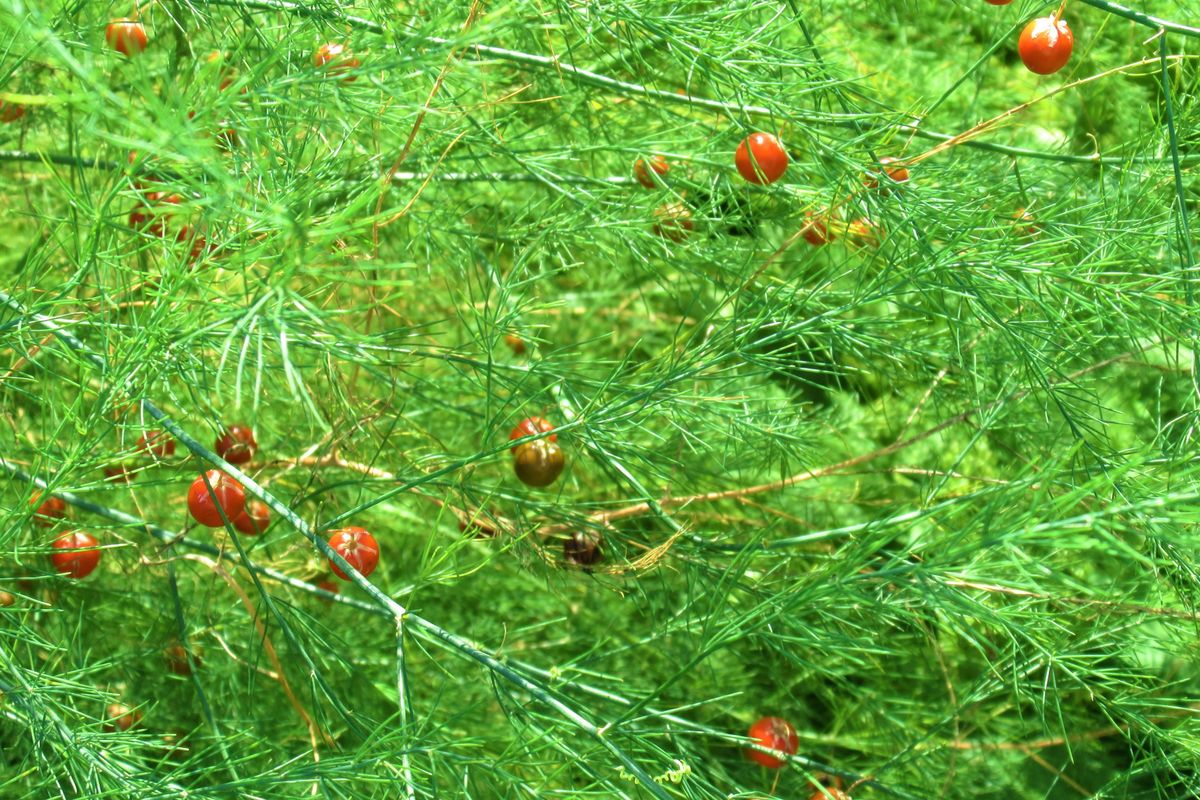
x: 121, y: 717
x: 356, y: 546
x: 237, y: 445
x: 337, y: 59
x: 674, y: 221
x: 330, y: 587
x: 898, y: 174
x: 7, y: 599
x: 760, y: 158
x: 48, y: 510
x: 255, y: 519
x: 642, y: 169
x: 206, y: 504
x: 126, y: 36
x: 11, y: 112
x: 515, y: 343
x: 775, y: 733
x: 1045, y: 45
x: 118, y: 473
x: 816, y: 232
x: 76, y: 554
x: 156, y: 443
x: 531, y: 426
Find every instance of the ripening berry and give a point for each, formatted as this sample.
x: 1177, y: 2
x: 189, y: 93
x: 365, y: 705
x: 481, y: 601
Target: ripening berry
x: 775, y: 733
x: 75, y: 554
x: 126, y: 36
x: 255, y: 519
x: 236, y: 445
x: 816, y: 232
x: 531, y: 426
x: 11, y: 112
x: 121, y: 717
x: 47, y: 511
x: 356, y: 546
x: 118, y: 473
x: 642, y: 170
x: 583, y: 549
x: 6, y: 600
x: 1045, y: 45
x: 177, y: 659
x: 515, y: 343
x: 864, y: 232
x: 206, y: 504
x: 760, y: 158
x: 673, y: 221
x: 156, y: 443
x: 329, y: 586
x: 336, y: 59
x: 898, y: 174
x: 538, y: 463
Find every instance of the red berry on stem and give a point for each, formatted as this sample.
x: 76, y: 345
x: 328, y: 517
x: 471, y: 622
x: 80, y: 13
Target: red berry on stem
x: 237, y: 445
x: 531, y: 426
x: 126, y: 36
x: 816, y: 232
x: 775, y: 733
x: 48, y: 510
x: 156, y: 443
x: 255, y: 519
x: 1045, y: 45
x: 642, y: 169
x: 337, y: 59
x: 76, y: 554
x: 760, y: 158
x: 899, y: 174
x: 356, y: 546
x: 206, y: 504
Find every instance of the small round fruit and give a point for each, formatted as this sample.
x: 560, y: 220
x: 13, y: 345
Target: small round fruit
x: 642, y: 170
x: 118, y: 473
x: 178, y: 662
x: 206, y: 504
x: 337, y: 59
x: 583, y: 549
x: 121, y: 717
x: 816, y: 232
x: 126, y: 36
x: 6, y: 599
x: 356, y: 546
x: 329, y: 586
x: 237, y: 445
x: 48, y: 510
x: 531, y: 426
x: 776, y: 734
x: 255, y: 519
x: 538, y: 463
x: 156, y: 443
x: 674, y: 221
x: 898, y: 174
x: 515, y: 343
x: 11, y: 112
x: 76, y: 554
x: 761, y: 158
x: 1045, y: 45
x: 864, y: 232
